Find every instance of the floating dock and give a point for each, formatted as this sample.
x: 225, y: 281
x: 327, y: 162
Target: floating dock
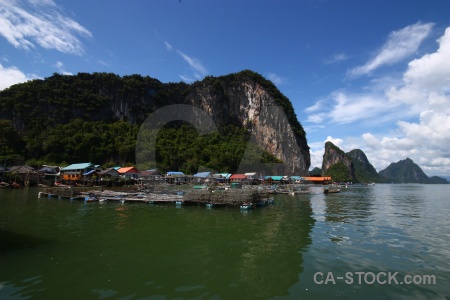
x: 245, y: 199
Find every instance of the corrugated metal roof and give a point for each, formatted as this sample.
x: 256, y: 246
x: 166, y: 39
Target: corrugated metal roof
x: 173, y: 173
x: 223, y: 175
x: 110, y: 171
x: 127, y: 170
x: 88, y: 172
x: 202, y: 174
x: 276, y: 178
x: 238, y: 176
x: 79, y: 166
x: 326, y: 178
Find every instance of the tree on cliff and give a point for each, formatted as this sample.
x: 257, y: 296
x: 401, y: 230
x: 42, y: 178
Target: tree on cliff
x: 96, y: 117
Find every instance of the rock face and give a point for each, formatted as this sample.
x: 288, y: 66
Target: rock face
x: 404, y: 171
x: 364, y: 170
x: 337, y: 164
x: 245, y: 99
x: 352, y: 166
x: 248, y: 103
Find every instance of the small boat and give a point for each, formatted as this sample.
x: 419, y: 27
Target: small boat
x: 328, y: 189
x: 246, y: 205
x: 3, y: 184
x: 14, y: 185
x: 296, y: 192
x: 90, y: 198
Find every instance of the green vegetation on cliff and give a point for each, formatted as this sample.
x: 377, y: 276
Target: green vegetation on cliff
x: 96, y: 117
x: 337, y: 164
x: 339, y: 172
x: 406, y: 171
x: 364, y: 170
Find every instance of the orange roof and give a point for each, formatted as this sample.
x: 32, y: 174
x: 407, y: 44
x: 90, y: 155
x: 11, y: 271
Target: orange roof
x: 238, y: 176
x: 127, y: 170
x: 326, y: 178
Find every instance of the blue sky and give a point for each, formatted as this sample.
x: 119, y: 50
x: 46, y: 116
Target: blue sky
x: 373, y: 75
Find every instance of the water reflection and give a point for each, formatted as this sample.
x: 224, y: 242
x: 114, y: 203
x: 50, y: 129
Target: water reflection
x: 352, y: 204
x: 272, y: 256
x: 13, y: 241
x: 138, y: 251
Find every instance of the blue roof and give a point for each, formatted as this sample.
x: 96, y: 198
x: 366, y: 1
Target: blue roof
x: 297, y: 178
x: 175, y: 173
x: 78, y: 166
x: 89, y: 172
x: 225, y: 175
x: 202, y: 174
x: 276, y: 178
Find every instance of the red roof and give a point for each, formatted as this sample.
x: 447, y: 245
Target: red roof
x: 238, y: 176
x: 127, y: 170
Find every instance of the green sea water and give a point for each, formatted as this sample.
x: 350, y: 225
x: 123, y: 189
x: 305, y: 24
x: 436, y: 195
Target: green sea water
x: 61, y: 249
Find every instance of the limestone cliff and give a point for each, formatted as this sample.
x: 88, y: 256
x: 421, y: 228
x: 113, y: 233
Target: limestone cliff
x: 244, y: 99
x: 404, y: 171
x: 247, y: 100
x: 337, y: 164
x: 364, y: 170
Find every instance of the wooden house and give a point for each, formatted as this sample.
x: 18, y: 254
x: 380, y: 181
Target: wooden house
x: 252, y: 178
x: 25, y: 174
x: 109, y: 174
x: 74, y: 172
x: 203, y: 177
x: 129, y: 172
x: 176, y: 177
x: 151, y: 175
x: 222, y: 177
x: 238, y: 178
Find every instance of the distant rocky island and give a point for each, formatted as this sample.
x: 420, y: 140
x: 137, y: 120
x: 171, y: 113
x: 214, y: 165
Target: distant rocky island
x: 355, y: 167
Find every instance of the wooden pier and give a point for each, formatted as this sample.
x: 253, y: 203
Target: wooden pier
x: 208, y: 198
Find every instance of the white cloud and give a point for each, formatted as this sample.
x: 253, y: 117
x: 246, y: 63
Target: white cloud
x: 186, y: 79
x: 104, y: 63
x: 400, y: 44
x: 168, y: 46
x: 60, y: 66
x: 277, y: 80
x: 336, y: 141
x: 12, y: 75
x: 423, y: 94
x: 336, y: 58
x: 370, y: 107
x: 26, y: 24
x: 194, y: 63
x: 317, y: 106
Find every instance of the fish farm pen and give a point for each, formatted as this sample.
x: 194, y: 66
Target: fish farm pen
x: 244, y: 198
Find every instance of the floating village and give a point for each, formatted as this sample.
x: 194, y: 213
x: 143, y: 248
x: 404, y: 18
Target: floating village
x: 92, y: 183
